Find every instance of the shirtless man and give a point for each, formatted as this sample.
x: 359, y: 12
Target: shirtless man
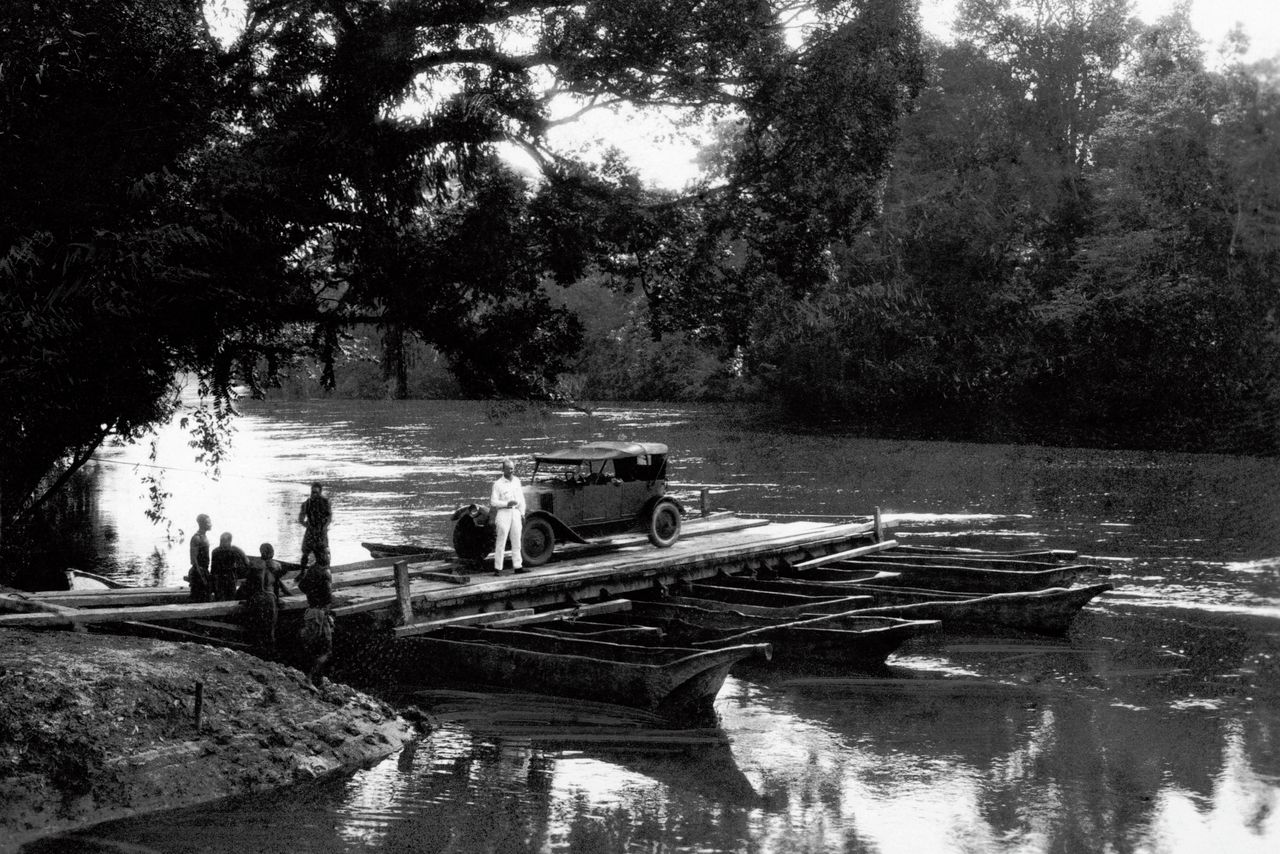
x: 199, y: 579
x: 316, y: 514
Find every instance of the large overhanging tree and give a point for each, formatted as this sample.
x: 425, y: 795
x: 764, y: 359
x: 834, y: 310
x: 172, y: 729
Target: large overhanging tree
x: 219, y: 188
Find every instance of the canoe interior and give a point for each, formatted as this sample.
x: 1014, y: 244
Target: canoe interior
x: 824, y: 639
x: 762, y: 602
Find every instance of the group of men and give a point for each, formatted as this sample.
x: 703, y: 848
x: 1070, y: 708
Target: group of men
x: 225, y: 573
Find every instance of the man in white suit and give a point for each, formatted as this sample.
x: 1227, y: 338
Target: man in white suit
x: 506, y: 503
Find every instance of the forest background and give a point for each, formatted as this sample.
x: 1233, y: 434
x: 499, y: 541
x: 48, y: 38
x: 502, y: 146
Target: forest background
x: 1076, y: 244
x: 1061, y: 226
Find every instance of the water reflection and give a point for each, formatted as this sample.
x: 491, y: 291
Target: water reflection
x: 1151, y: 728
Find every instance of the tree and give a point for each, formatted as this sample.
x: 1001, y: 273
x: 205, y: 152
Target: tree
x: 1078, y: 245
x: 1170, y: 313
x: 173, y: 202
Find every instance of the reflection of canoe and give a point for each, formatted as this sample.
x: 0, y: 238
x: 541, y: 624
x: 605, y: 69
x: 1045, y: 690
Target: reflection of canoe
x: 857, y: 641
x: 704, y: 765
x: 971, y: 579
x: 670, y: 680
x: 1048, y: 611
x: 698, y: 761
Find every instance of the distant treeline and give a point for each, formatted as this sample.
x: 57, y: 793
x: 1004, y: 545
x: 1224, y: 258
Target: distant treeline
x: 1078, y: 244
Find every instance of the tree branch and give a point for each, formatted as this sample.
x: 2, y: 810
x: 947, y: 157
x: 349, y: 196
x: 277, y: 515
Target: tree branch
x: 77, y: 463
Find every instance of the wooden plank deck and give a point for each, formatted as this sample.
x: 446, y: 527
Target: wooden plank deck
x: 624, y: 570
x: 618, y: 566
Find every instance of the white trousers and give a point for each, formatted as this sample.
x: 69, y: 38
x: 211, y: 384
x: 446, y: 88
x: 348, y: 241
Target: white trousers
x: 510, y: 525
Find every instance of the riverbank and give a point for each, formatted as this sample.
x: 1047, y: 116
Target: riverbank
x: 96, y: 727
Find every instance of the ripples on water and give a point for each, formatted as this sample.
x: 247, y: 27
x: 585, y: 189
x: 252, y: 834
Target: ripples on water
x: 1152, y: 728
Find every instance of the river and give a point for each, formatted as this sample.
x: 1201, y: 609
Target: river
x: 1153, y: 727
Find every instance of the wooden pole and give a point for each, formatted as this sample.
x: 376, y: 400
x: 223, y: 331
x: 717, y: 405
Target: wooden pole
x: 401, y: 570
x: 702, y: 496
x: 879, y: 527
x: 199, y: 705
x: 847, y: 553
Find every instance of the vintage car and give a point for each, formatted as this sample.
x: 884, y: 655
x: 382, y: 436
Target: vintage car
x: 577, y: 494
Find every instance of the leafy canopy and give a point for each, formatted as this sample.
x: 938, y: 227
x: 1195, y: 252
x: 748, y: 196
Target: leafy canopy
x: 178, y: 200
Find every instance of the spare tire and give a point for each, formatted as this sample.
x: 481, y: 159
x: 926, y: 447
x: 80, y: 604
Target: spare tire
x: 473, y: 536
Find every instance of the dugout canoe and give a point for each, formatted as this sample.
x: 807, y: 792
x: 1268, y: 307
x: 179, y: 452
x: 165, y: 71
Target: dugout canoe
x: 391, y: 550
x: 763, y: 603
x: 1039, y: 555
x: 981, y: 561
x: 1049, y: 611
x: 827, y: 639
x: 671, y: 681
x: 959, y: 579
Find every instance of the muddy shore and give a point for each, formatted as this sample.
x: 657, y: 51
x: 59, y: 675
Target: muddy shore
x: 97, y: 727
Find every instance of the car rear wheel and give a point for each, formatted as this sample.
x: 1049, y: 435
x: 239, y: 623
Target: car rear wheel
x: 537, y: 542
x: 664, y: 526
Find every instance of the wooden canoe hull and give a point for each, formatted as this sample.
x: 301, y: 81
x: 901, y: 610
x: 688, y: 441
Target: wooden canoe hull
x: 671, y: 681
x: 1049, y: 612
x: 980, y: 561
x: 1043, y: 555
x: 379, y: 551
x: 943, y: 577
x: 853, y: 641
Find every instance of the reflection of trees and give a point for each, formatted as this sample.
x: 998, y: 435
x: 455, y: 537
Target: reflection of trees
x: 1077, y: 757
x: 885, y: 765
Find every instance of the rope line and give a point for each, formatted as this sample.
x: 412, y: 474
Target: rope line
x: 201, y: 471
x: 850, y: 516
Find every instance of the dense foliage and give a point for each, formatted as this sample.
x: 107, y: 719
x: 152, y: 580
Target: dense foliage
x: 1077, y: 240
x: 1080, y: 243
x: 224, y: 201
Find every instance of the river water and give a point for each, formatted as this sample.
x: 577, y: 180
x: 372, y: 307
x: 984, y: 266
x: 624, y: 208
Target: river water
x: 1153, y: 727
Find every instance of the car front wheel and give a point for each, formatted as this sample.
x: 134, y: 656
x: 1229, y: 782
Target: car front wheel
x: 664, y: 526
x: 537, y: 542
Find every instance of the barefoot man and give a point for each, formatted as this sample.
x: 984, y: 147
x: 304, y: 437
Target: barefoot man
x: 199, y: 578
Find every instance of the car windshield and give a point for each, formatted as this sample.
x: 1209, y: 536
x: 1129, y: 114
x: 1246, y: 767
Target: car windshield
x: 647, y: 467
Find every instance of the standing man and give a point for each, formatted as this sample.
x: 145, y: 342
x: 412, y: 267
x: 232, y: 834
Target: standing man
x: 262, y: 591
x: 198, y: 578
x: 227, y: 565
x: 315, y: 514
x: 506, y: 503
x: 316, y: 633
